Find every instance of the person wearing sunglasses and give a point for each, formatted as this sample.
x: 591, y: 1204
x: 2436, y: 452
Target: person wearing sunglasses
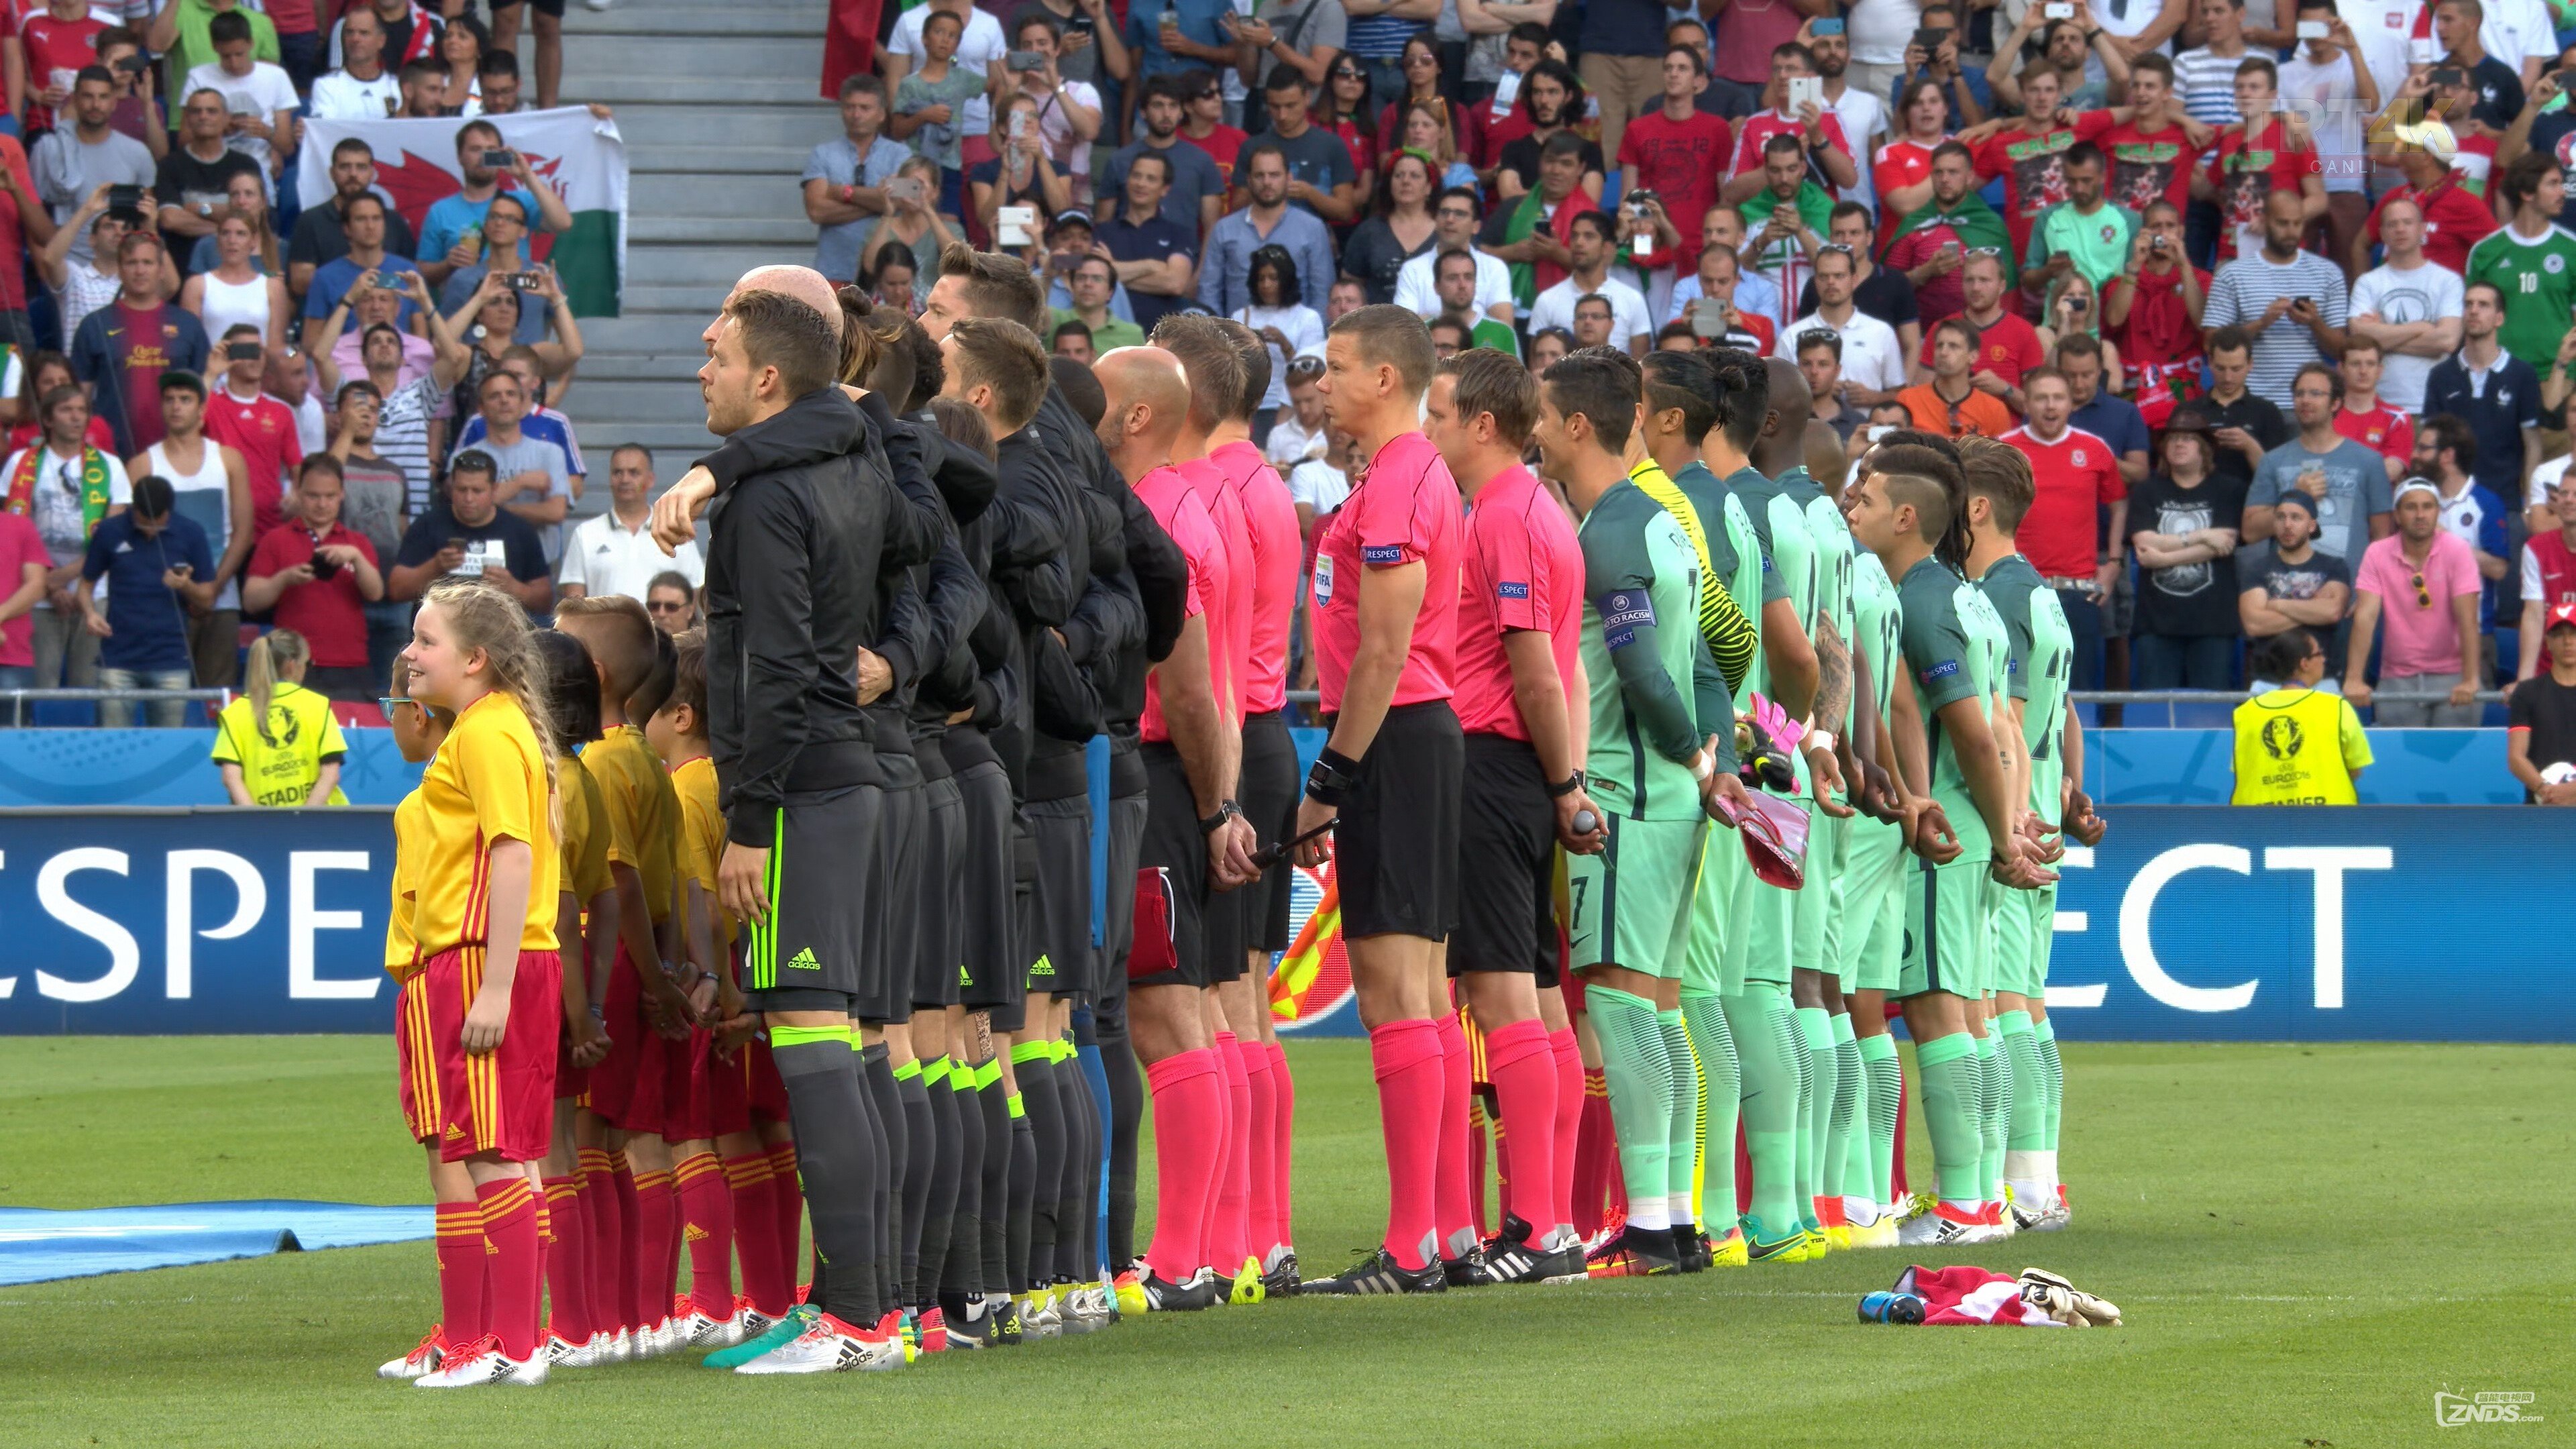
x: 672, y: 601
x: 2421, y: 585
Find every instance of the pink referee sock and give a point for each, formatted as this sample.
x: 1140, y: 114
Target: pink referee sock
x: 1569, y: 1122
x: 1262, y: 1207
x: 1523, y: 1068
x: 1189, y: 1131
x: 1456, y: 1194
x: 1283, y: 1133
x: 1406, y: 1058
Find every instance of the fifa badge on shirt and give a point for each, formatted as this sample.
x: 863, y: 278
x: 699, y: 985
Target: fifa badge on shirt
x: 1323, y: 579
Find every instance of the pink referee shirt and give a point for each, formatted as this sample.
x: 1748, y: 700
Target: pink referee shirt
x: 1522, y: 571
x: 1277, y: 553
x: 1406, y: 511
x: 1184, y: 515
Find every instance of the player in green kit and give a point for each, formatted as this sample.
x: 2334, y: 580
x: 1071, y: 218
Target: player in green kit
x: 1751, y: 969
x: 1867, y: 933
x: 1682, y: 415
x: 2000, y: 492
x: 2531, y: 259
x: 1652, y: 769
x: 1824, y: 1029
x: 1911, y: 511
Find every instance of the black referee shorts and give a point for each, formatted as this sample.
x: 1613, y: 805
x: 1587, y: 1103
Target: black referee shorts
x: 1060, y: 952
x: 940, y: 886
x: 1396, y: 851
x: 1507, y: 846
x: 816, y: 952
x: 1169, y: 944
x: 1268, y: 793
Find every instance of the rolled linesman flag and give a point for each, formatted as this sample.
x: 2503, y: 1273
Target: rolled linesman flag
x: 578, y: 156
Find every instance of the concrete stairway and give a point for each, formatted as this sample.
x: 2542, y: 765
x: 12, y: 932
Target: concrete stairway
x: 717, y: 101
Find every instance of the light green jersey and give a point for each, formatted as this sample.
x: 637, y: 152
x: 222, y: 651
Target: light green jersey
x: 1752, y: 577
x: 1954, y: 648
x: 1645, y: 657
x: 1780, y: 522
x: 2537, y: 276
x: 2042, y: 662
x: 1876, y: 621
x: 1697, y: 503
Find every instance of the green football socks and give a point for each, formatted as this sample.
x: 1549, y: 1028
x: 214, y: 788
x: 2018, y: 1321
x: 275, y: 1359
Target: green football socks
x: 1948, y: 1066
x: 1720, y: 1096
x: 1849, y: 1119
x: 1816, y: 1035
x: 1681, y: 1159
x: 1886, y: 1078
x: 1767, y: 1045
x: 1639, y: 1073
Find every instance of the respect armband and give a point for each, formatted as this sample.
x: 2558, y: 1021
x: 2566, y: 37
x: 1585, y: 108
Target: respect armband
x: 1332, y: 778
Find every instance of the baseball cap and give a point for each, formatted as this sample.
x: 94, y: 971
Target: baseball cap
x: 1070, y: 216
x: 2561, y: 616
x: 2432, y: 136
x: 2292, y: 497
x: 2187, y: 419
x: 2416, y: 485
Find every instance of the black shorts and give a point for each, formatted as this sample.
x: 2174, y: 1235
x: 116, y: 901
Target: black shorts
x: 1010, y: 1016
x: 1395, y: 853
x: 941, y: 889
x: 1507, y: 846
x: 902, y: 827
x: 1118, y: 922
x: 1168, y: 942
x: 1060, y: 959
x: 986, y: 976
x: 816, y: 950
x: 554, y: 8
x: 1268, y: 792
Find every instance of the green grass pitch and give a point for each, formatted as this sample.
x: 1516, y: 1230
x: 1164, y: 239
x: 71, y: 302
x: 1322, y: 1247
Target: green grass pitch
x: 2309, y: 1242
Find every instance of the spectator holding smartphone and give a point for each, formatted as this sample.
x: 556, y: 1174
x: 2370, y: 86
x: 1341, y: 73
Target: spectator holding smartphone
x: 913, y: 229
x: 66, y: 484
x: 319, y: 575
x: 71, y: 162
x: 374, y: 495
x: 467, y: 534
x: 58, y: 38
x: 158, y: 573
x: 259, y: 100
x: 449, y: 234
x: 505, y: 258
x: 209, y: 487
x: 367, y: 267
x: 243, y: 417
x: 138, y: 104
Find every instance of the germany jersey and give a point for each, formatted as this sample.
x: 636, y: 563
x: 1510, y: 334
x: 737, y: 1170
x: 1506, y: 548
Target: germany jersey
x: 2538, y: 278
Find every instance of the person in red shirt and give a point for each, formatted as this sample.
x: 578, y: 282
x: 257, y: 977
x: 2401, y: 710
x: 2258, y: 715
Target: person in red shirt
x: 2007, y: 346
x: 2271, y: 152
x: 255, y: 425
x: 1192, y: 838
x: 1203, y: 125
x: 2025, y: 155
x: 57, y: 41
x: 1902, y: 169
x: 2076, y: 474
x: 2151, y: 312
x: 2151, y: 151
x: 2454, y: 219
x: 24, y: 222
x: 1520, y: 605
x: 1831, y: 161
x: 319, y: 575
x: 1386, y: 627
x: 2364, y: 418
x: 1675, y: 152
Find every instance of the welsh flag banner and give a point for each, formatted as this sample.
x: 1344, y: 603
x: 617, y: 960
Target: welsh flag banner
x: 577, y: 155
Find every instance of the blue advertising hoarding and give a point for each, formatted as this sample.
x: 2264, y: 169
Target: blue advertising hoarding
x: 2188, y: 923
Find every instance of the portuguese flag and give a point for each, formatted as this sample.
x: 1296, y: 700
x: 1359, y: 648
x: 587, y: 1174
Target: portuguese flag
x: 578, y: 156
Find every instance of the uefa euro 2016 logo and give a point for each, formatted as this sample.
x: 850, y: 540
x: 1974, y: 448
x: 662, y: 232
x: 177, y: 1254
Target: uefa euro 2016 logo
x: 2493, y: 1406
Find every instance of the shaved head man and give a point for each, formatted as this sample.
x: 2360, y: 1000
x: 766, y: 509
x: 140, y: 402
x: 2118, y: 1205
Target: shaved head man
x: 804, y: 284
x: 1149, y: 401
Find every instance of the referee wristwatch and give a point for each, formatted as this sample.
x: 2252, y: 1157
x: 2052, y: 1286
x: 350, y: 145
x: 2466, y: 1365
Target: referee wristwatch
x: 1566, y: 786
x: 1226, y: 811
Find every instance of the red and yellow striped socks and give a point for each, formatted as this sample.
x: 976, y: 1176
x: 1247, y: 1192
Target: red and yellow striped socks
x: 707, y: 1229
x: 509, y: 1212
x: 649, y: 1251
x: 462, y: 1294
x: 766, y: 1280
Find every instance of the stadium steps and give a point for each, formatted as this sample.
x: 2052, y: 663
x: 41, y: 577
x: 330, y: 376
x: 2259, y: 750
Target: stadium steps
x: 719, y: 106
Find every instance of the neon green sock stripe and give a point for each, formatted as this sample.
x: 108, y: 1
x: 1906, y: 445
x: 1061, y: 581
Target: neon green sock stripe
x: 934, y: 1072
x: 908, y: 1071
x: 987, y: 1074
x: 781, y: 1037
x: 1065, y: 1050
x: 1013, y: 1102
x: 1027, y: 1051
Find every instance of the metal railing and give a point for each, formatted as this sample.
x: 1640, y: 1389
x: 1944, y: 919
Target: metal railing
x: 17, y: 700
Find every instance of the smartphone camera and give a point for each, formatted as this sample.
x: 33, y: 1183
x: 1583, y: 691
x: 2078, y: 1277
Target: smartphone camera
x: 243, y: 352
x: 323, y: 567
x: 500, y: 159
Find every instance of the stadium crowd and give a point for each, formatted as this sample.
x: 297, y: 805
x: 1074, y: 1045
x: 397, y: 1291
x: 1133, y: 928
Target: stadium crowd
x: 336, y: 411
x: 2194, y: 258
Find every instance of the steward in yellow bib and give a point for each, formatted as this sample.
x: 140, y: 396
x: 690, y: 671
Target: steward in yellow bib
x: 2296, y: 744
x: 278, y: 744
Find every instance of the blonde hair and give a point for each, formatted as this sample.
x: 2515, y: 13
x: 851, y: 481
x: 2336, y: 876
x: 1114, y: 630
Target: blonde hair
x: 482, y: 617
x: 271, y: 655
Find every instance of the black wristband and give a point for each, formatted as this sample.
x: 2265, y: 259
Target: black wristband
x: 1332, y: 778
x: 1566, y: 786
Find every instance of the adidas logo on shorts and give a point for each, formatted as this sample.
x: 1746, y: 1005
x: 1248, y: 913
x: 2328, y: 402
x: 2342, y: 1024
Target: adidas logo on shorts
x: 804, y: 961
